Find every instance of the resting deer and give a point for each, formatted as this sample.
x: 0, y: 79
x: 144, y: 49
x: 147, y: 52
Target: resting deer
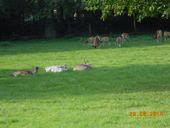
x: 81, y: 67
x: 56, y: 68
x: 26, y: 72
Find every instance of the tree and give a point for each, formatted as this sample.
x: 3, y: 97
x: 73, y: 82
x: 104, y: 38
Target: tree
x: 19, y: 11
x: 61, y: 10
x: 138, y: 9
x: 167, y: 11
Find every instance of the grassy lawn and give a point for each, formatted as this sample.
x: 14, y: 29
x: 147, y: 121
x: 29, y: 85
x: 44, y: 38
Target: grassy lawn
x: 135, y: 78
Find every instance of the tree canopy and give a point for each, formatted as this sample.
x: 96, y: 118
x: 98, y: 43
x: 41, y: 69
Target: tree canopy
x: 137, y: 8
x: 17, y: 13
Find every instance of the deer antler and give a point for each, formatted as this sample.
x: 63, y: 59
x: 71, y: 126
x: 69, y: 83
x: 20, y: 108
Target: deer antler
x: 85, y: 60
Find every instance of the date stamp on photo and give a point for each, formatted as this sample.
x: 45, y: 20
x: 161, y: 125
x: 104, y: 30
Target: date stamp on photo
x: 144, y: 114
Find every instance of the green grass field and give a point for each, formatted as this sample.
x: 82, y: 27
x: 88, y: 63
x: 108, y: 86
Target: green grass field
x: 135, y: 78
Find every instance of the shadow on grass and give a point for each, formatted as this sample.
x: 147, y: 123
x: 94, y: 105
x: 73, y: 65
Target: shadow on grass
x: 134, y: 78
x: 63, y: 44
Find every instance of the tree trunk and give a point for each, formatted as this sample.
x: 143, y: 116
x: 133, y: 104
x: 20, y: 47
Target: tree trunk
x: 50, y: 31
x: 89, y: 29
x: 134, y: 23
x: 69, y: 29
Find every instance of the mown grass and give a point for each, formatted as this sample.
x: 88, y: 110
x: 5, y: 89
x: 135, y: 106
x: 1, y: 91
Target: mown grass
x: 135, y: 78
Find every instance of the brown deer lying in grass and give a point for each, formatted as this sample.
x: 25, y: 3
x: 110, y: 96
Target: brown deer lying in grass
x: 26, y: 72
x: 81, y: 67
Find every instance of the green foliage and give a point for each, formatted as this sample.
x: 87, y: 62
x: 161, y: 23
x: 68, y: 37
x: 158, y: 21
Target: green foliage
x: 167, y: 11
x: 44, y: 8
x: 137, y: 8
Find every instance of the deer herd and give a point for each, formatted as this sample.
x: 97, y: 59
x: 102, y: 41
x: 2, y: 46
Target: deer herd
x: 54, y: 68
x: 97, y: 41
x: 94, y: 41
x: 160, y: 35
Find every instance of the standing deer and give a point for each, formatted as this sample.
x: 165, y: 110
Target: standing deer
x: 89, y: 40
x: 159, y: 35
x: 166, y: 35
x: 125, y: 36
x: 119, y: 41
x: 93, y: 41
x: 105, y: 40
x: 96, y: 41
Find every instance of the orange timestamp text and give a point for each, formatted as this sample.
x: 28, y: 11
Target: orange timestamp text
x: 143, y: 114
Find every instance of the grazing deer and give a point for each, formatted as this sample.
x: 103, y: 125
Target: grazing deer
x: 96, y: 41
x: 99, y: 38
x: 105, y: 40
x: 159, y: 35
x: 56, y: 68
x: 93, y: 41
x: 166, y: 35
x: 26, y: 72
x: 125, y: 36
x: 154, y: 36
x: 119, y: 41
x: 81, y: 67
x: 89, y: 40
